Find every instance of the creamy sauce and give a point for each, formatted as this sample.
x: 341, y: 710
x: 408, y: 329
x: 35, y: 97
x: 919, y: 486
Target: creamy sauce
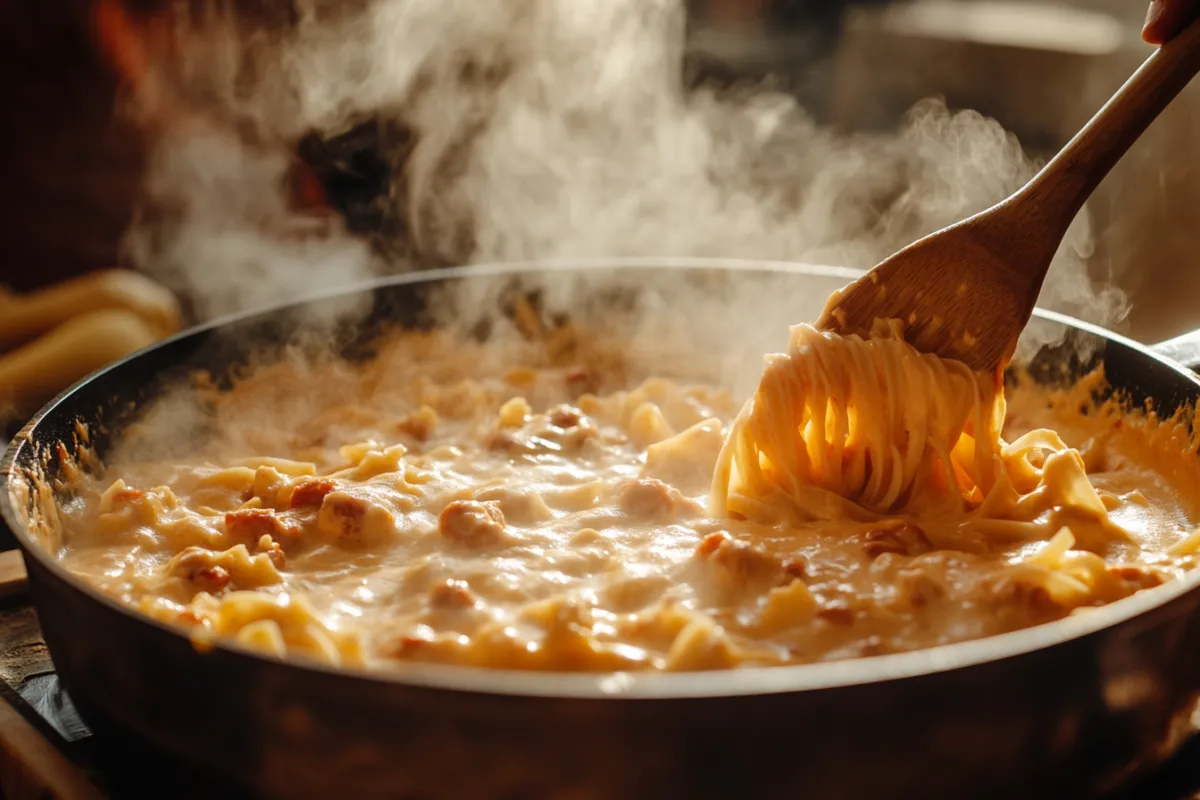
x: 441, y: 504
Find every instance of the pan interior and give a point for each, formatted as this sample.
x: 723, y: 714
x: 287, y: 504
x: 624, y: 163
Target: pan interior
x: 713, y: 310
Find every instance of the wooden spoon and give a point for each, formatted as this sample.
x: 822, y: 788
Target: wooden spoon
x: 967, y: 291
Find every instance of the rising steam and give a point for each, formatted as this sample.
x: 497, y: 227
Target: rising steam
x: 544, y: 129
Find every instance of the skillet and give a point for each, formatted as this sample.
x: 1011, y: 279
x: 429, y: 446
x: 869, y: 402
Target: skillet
x: 1070, y: 709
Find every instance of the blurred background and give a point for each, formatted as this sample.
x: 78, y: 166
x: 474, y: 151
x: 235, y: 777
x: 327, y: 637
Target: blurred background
x: 73, y: 166
x: 1041, y: 68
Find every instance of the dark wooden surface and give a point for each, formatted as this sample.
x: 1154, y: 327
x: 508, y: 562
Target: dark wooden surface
x: 54, y: 754
x: 37, y: 724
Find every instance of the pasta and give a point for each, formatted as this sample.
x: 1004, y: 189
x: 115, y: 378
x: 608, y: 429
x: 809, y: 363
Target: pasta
x: 544, y: 506
x: 846, y: 427
x: 853, y: 428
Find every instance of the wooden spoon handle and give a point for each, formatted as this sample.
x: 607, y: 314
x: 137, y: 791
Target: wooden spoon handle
x: 1063, y: 185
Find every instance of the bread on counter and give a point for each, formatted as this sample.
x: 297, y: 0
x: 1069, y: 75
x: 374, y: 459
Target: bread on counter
x: 51, y: 338
x: 24, y: 317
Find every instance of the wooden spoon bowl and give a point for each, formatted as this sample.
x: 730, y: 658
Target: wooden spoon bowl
x: 966, y: 292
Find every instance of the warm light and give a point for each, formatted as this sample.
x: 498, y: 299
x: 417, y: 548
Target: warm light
x: 1027, y: 25
x: 130, y: 45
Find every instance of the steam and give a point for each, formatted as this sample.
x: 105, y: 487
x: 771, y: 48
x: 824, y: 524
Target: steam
x: 544, y: 129
x: 226, y: 235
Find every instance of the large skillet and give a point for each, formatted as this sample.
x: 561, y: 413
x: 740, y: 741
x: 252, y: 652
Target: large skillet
x: 1062, y: 710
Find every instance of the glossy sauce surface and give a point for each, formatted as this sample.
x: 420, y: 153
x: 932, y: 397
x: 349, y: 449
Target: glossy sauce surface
x: 523, y: 508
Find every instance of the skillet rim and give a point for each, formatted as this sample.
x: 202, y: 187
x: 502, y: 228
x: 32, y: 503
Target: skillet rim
x: 714, y: 684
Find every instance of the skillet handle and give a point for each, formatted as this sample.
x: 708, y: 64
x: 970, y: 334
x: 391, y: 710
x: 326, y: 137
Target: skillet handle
x: 1183, y: 349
